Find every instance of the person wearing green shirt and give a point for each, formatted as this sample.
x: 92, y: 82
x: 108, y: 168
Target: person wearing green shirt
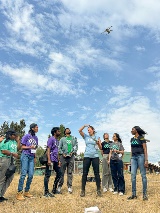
x: 8, y: 148
x: 67, y: 149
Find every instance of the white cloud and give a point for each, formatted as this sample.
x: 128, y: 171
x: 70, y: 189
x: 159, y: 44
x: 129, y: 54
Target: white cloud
x: 140, y: 48
x: 135, y: 111
x: 25, y: 76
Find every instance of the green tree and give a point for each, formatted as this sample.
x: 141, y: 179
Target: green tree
x: 39, y: 152
x: 62, y: 128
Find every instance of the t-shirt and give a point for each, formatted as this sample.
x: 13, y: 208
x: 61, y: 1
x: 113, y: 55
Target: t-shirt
x: 10, y: 145
x: 137, y: 145
x: 29, y: 140
x: 53, y: 143
x: 106, y: 147
x: 118, y: 146
x: 91, y: 150
x: 69, y: 144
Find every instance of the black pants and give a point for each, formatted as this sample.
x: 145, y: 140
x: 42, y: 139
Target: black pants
x: 86, y: 164
x: 48, y: 174
x: 117, y: 175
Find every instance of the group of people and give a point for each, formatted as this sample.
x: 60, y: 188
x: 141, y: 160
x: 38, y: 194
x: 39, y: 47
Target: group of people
x: 61, y: 155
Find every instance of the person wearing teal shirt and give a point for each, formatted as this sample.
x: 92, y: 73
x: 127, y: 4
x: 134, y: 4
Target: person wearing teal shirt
x: 8, y: 148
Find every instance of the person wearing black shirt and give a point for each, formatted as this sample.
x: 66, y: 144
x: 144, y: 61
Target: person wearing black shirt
x: 106, y: 172
x: 139, y: 160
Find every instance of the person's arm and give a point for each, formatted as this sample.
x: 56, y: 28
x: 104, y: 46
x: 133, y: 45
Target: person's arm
x: 99, y: 143
x: 18, y: 142
x: 145, y: 155
x: 109, y: 157
x: 48, y: 156
x: 81, y: 130
x: 8, y: 153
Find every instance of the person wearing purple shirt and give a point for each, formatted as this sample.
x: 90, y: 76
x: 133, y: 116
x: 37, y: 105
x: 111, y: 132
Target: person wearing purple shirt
x: 29, y: 144
x: 53, y: 162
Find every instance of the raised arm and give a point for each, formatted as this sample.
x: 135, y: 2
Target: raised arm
x: 81, y: 130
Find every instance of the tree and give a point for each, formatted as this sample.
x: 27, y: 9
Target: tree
x: 62, y: 128
x: 14, y: 125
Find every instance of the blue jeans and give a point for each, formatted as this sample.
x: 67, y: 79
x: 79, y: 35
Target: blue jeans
x: 27, y: 167
x: 117, y: 175
x: 138, y: 161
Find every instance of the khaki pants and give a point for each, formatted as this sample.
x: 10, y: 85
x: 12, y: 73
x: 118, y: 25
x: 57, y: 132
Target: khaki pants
x: 106, y: 172
x: 4, y: 183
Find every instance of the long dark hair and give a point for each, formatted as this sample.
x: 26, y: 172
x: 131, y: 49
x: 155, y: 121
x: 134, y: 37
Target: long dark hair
x: 139, y: 130
x: 118, y: 137
x: 31, y: 131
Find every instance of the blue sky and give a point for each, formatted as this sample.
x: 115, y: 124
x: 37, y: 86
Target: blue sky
x: 57, y: 68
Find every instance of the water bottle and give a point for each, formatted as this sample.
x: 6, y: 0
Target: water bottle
x: 51, y: 166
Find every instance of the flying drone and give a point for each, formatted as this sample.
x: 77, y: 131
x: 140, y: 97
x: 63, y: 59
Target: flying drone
x: 108, y: 30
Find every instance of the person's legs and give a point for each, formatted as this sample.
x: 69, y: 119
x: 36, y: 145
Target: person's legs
x: 113, y: 166
x: 141, y: 161
x: 46, y: 178
x: 24, y: 170
x: 121, y: 181
x: 104, y: 172
x: 95, y: 164
x: 63, y: 169
x: 58, y: 176
x: 4, y: 183
x: 70, y: 167
x: 30, y: 173
x: 86, y: 165
x: 134, y: 166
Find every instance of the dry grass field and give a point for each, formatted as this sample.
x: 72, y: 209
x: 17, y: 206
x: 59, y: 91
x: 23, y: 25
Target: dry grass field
x: 73, y: 203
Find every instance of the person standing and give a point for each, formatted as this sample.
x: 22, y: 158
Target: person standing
x: 8, y: 148
x: 139, y: 159
x: 68, y: 147
x: 93, y: 144
x: 106, y: 172
x: 29, y: 144
x: 53, y: 162
x: 116, y: 164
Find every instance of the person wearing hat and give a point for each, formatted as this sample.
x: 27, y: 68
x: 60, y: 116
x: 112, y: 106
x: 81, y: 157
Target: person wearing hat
x: 8, y: 148
x: 139, y: 159
x: 29, y: 144
x: 68, y: 147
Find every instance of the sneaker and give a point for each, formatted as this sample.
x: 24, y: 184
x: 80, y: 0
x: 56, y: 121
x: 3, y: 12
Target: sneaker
x: 48, y: 194
x: 27, y: 194
x: 145, y: 197
x: 2, y: 199
x: 56, y: 192
x: 111, y: 190
x: 104, y: 190
x: 132, y: 197
x: 99, y: 194
x: 115, y: 192
x: 70, y: 190
x: 121, y: 193
x: 20, y: 196
x: 82, y: 193
x: 59, y: 189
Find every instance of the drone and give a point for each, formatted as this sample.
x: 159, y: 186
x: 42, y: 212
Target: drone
x: 108, y: 30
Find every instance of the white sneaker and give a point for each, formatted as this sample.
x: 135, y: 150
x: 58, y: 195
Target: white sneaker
x: 111, y: 190
x: 59, y: 188
x: 121, y: 194
x: 114, y: 193
x: 70, y: 190
x: 104, y: 190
